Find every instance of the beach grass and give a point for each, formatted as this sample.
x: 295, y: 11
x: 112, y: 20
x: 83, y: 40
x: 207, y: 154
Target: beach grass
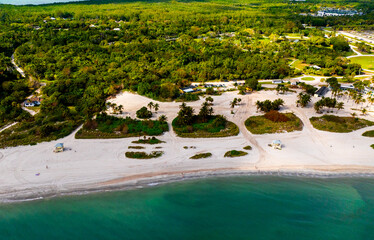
x: 205, y: 130
x: 106, y: 127
x: 262, y: 125
x: 332, y: 123
x: 150, y: 140
x: 136, y: 147
x: 201, y: 155
x: 247, y: 148
x: 368, y: 133
x: 144, y: 155
x: 30, y: 133
x: 235, y: 153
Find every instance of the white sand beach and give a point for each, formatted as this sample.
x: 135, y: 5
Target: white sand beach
x: 36, y: 171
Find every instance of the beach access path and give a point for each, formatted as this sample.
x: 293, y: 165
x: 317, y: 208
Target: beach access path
x: 98, y: 164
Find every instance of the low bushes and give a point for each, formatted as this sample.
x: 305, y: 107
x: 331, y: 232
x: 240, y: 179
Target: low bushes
x: 262, y: 125
x: 332, y: 123
x: 150, y: 140
x: 144, y: 155
x: 235, y: 153
x: 276, y: 116
x: 368, y: 133
x: 136, y: 147
x: 216, y: 126
x: 105, y: 126
x: 247, y: 148
x: 201, y: 155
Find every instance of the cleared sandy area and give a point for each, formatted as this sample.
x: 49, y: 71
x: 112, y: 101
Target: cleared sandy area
x: 88, y: 165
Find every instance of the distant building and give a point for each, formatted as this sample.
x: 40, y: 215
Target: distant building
x: 190, y: 89
x: 347, y: 86
x: 32, y: 102
x: 321, y: 92
x: 116, y: 29
x: 277, y: 81
x: 328, y: 12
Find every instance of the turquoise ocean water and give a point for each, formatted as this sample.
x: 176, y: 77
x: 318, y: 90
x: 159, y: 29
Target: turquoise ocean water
x: 221, y: 208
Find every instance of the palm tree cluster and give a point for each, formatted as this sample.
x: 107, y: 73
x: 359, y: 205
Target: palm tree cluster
x: 116, y: 109
x: 328, y: 102
x: 235, y: 102
x: 303, y: 99
x: 267, y: 105
x: 282, y: 89
x: 155, y: 106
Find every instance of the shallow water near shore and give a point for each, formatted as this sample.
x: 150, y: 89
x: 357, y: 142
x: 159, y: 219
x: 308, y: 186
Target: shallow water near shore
x: 253, y: 207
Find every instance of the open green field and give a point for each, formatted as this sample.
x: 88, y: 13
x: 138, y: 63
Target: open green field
x: 299, y: 64
x: 367, y: 62
x: 308, y: 78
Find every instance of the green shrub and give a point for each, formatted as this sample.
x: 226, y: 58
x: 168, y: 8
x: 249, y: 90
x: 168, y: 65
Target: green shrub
x: 136, y: 147
x: 144, y: 155
x: 368, y: 133
x: 201, y: 155
x: 235, y: 153
x: 151, y: 140
x: 247, y: 148
x: 143, y: 113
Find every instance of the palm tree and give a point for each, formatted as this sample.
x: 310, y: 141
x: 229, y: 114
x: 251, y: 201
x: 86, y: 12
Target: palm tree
x: 162, y: 118
x: 150, y: 105
x: 120, y: 109
x: 339, y: 106
x: 364, y: 111
x: 156, y: 107
x: 353, y: 114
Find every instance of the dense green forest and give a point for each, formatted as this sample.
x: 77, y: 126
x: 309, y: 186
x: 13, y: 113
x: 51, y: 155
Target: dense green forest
x: 85, y: 52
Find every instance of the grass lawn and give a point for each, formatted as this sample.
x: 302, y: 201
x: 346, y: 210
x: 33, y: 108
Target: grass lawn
x: 308, y: 78
x: 201, y: 155
x: 262, y: 125
x: 299, y: 64
x: 368, y: 133
x: 367, y: 62
x: 235, y: 153
x: 206, y: 130
x: 332, y: 123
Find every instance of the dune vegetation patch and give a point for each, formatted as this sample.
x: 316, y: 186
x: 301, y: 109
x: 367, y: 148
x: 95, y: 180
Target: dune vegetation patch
x: 144, y: 155
x: 201, y: 155
x: 274, y: 122
x: 332, y: 123
x: 106, y: 126
x: 247, y: 148
x: 368, y: 133
x: 149, y: 140
x: 235, y: 153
